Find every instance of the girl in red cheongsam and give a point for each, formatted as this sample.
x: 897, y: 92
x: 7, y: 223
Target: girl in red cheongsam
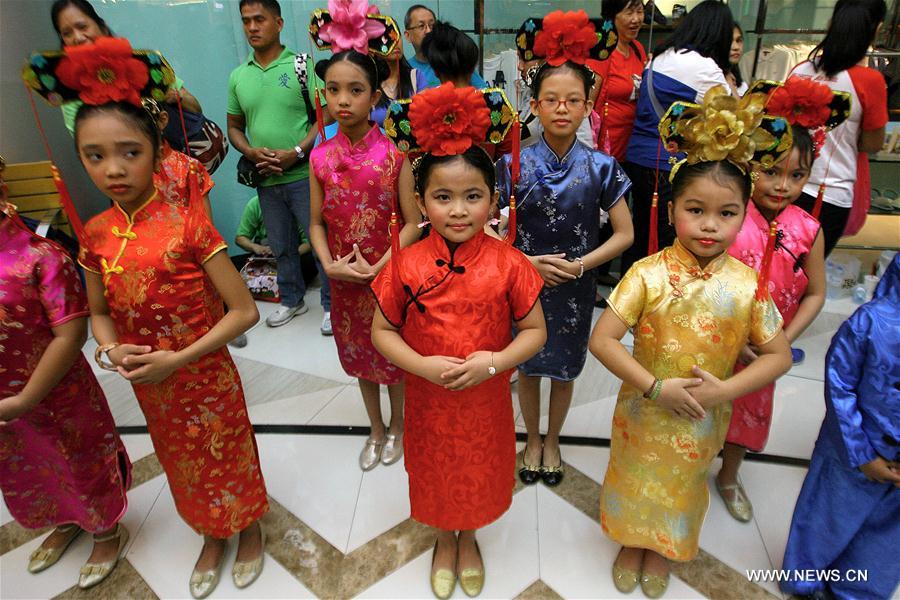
x: 447, y: 308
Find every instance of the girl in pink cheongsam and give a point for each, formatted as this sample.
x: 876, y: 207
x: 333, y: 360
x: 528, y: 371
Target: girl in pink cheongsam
x: 797, y: 285
x: 353, y: 190
x: 62, y: 463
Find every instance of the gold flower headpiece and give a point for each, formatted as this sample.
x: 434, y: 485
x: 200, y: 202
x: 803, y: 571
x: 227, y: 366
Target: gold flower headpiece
x: 725, y: 128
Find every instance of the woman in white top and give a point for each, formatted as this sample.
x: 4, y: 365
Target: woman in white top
x: 837, y: 62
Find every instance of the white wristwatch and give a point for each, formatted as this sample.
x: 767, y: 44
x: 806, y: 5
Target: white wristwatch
x: 491, y: 370
x: 300, y: 153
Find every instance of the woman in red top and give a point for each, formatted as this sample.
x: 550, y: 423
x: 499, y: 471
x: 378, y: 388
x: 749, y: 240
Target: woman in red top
x: 616, y: 102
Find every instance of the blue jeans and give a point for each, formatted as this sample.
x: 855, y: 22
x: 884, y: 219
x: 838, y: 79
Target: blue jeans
x: 284, y: 206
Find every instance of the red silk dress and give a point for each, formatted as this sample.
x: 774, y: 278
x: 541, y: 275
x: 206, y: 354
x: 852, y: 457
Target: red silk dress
x: 460, y: 447
x: 360, y: 185
x: 160, y: 296
x: 62, y: 461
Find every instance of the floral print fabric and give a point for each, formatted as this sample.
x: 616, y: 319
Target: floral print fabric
x: 160, y: 296
x: 62, y: 461
x: 654, y: 494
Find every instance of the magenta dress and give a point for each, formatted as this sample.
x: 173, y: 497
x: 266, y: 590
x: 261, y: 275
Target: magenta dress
x: 62, y: 461
x: 360, y: 185
x: 751, y: 416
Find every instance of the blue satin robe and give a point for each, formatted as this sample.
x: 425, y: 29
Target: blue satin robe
x: 558, y: 204
x: 842, y: 520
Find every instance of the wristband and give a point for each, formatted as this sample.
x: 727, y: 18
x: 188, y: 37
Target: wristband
x: 300, y: 153
x: 98, y: 357
x: 655, y: 390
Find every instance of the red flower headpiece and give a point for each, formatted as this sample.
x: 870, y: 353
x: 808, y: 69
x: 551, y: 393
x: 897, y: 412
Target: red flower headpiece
x: 448, y: 120
x: 105, y: 71
x: 567, y: 36
x: 802, y: 102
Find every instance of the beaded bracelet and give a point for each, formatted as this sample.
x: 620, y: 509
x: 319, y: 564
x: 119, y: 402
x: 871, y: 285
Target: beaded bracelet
x: 655, y: 390
x: 580, y: 260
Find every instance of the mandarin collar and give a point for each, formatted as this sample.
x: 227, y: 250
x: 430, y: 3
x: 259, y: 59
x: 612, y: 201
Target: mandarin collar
x: 363, y: 145
x: 687, y: 259
x: 549, y: 155
x: 140, y: 212
x: 457, y: 258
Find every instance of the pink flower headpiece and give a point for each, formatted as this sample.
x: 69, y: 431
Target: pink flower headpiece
x: 353, y: 25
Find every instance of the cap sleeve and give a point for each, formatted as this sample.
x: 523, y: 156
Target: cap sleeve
x: 206, y: 182
x: 525, y: 286
x: 59, y: 287
x: 202, y: 238
x: 615, y: 185
x: 627, y: 301
x: 389, y: 295
x: 765, y: 321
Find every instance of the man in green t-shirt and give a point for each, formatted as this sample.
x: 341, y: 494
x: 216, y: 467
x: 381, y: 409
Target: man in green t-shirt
x: 268, y: 124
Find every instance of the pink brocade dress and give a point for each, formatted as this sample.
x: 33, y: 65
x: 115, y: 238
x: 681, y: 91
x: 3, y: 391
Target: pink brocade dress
x: 62, y: 461
x: 751, y: 416
x: 360, y: 185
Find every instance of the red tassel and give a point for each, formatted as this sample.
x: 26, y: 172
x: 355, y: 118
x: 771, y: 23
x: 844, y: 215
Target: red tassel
x: 194, y: 196
x: 511, y: 224
x: 68, y: 206
x: 516, y: 163
x: 514, y: 171
x: 762, y: 282
x: 653, y: 237
x: 820, y: 197
x: 320, y: 118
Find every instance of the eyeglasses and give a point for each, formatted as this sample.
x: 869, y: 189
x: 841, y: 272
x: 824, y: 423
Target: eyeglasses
x: 424, y: 26
x: 570, y: 103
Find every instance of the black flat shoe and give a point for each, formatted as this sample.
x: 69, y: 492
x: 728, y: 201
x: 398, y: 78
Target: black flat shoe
x: 529, y: 474
x: 552, y: 476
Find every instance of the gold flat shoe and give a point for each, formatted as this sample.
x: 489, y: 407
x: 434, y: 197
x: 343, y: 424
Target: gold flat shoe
x: 244, y: 573
x: 472, y: 580
x: 93, y: 573
x: 443, y: 581
x: 739, y: 507
x: 43, y: 558
x: 202, y: 583
x: 624, y: 579
x: 654, y: 586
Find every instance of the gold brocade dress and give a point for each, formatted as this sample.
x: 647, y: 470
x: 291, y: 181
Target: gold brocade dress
x: 654, y: 494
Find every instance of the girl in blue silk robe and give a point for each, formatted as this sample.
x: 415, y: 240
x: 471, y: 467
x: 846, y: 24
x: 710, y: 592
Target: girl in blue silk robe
x: 562, y: 197
x: 847, y: 517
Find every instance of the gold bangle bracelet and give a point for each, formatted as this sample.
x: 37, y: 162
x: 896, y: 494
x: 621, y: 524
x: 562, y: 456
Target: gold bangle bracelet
x: 98, y: 357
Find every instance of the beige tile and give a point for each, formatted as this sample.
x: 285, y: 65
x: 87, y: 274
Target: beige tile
x: 124, y: 582
x: 264, y: 383
x: 538, y: 591
x: 145, y: 469
x: 13, y: 535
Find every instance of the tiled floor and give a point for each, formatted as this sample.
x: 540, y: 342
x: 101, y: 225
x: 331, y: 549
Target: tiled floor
x: 346, y: 533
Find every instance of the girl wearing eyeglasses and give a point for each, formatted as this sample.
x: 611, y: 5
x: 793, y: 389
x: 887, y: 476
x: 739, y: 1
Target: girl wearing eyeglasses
x: 564, y: 188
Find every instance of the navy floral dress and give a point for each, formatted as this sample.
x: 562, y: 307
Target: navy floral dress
x: 560, y: 204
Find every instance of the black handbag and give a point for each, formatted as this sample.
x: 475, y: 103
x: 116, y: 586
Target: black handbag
x: 247, y: 173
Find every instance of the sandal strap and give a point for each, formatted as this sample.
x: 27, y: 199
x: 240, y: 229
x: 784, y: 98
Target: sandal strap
x: 109, y: 537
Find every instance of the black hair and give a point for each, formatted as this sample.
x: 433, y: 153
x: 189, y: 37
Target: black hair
x: 450, y: 52
x: 375, y: 69
x: 546, y: 70
x: 404, y: 83
x: 136, y: 116
x: 707, y: 30
x: 407, y: 20
x: 610, y: 8
x: 803, y: 142
x: 475, y: 157
x: 82, y: 5
x: 735, y: 68
x: 270, y: 5
x: 722, y: 172
x: 851, y: 31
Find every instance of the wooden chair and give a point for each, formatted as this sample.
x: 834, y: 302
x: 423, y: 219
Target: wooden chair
x: 32, y: 190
